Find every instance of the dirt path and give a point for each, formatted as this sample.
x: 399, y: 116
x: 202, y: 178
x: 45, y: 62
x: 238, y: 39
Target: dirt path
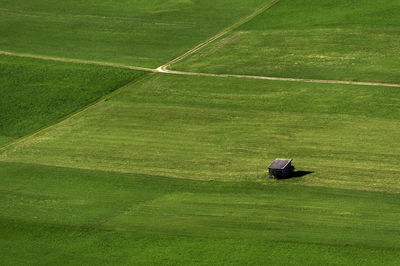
x: 164, y: 70
x: 76, y: 61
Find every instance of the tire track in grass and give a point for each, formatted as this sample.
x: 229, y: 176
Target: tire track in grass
x: 220, y: 34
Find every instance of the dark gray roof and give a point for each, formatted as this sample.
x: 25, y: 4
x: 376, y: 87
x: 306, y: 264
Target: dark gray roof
x: 279, y: 163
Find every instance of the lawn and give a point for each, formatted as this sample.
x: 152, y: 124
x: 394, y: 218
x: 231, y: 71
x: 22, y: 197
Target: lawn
x: 36, y: 93
x: 134, y: 32
x: 343, y: 40
x: 53, y: 215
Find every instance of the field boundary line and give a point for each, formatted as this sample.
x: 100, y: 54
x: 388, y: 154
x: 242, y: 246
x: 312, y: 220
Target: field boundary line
x: 77, y: 61
x: 219, y: 35
x: 78, y: 111
x: 362, y: 83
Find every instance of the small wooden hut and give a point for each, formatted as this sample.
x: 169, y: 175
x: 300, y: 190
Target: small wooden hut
x: 280, y: 168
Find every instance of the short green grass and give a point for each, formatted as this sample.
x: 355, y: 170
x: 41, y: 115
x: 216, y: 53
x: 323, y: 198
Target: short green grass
x: 52, y: 215
x: 230, y: 129
x: 36, y: 93
x: 355, y: 40
x: 171, y: 170
x: 135, y: 32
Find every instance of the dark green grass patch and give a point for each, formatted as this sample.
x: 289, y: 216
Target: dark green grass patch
x: 71, y: 216
x: 35, y: 93
x: 135, y: 32
x: 343, y: 40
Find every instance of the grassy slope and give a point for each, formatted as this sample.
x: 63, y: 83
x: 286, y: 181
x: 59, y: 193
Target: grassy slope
x: 51, y: 214
x: 229, y: 129
x: 344, y: 40
x: 36, y: 93
x: 146, y: 33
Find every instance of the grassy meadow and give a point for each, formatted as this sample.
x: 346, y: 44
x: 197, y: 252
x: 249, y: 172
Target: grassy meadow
x: 134, y: 32
x: 356, y: 40
x: 165, y: 169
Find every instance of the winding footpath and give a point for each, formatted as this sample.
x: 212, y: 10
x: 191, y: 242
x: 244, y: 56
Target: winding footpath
x: 163, y: 69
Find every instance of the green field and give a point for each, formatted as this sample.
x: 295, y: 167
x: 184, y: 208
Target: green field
x: 134, y: 32
x: 107, y: 166
x: 355, y: 40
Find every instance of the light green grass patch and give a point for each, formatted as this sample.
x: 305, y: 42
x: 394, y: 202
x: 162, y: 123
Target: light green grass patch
x: 342, y: 40
x: 230, y: 129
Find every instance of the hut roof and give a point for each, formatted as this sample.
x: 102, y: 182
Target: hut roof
x: 279, y: 163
